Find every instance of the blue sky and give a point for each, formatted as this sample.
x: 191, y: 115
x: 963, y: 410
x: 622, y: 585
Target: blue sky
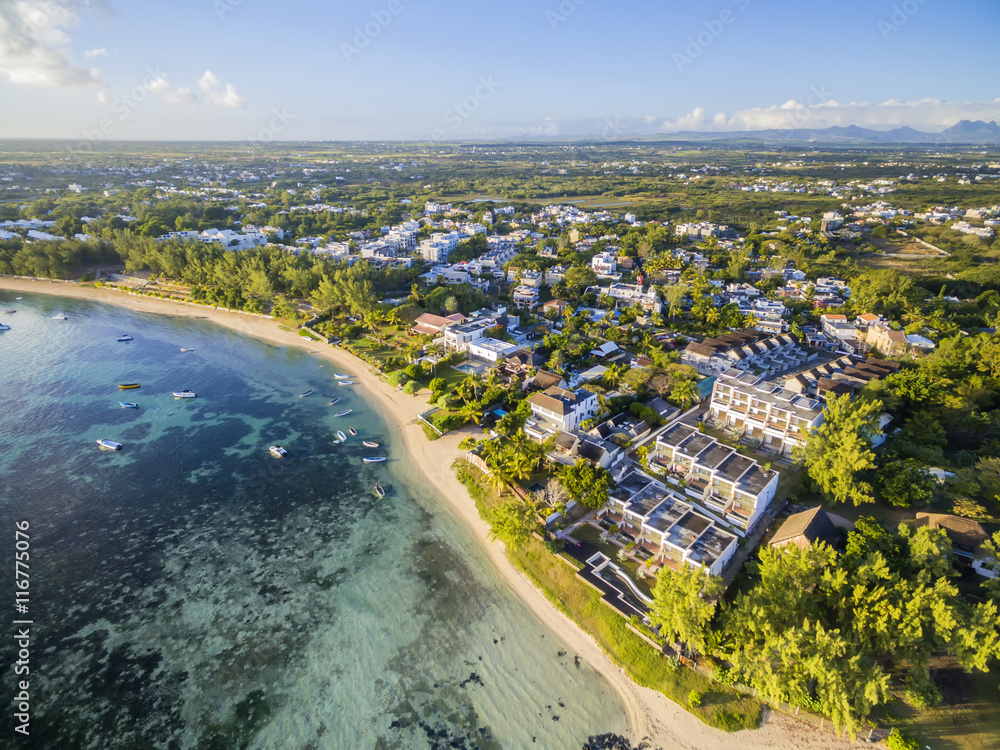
x: 403, y: 69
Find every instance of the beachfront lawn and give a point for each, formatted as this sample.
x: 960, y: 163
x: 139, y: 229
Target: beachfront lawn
x: 721, y: 707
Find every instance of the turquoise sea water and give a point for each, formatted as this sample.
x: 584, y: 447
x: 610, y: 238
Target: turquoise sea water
x: 193, y: 592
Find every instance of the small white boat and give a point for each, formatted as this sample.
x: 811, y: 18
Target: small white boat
x: 352, y: 431
x: 345, y: 382
x: 335, y: 401
x: 18, y: 297
x: 307, y: 393
x: 369, y: 444
x: 186, y: 350
x: 277, y: 451
x: 343, y: 413
x: 124, y: 337
x: 128, y: 405
x: 373, y: 459
x: 379, y: 490
x: 341, y: 435
x: 341, y: 376
x: 59, y: 316
x: 108, y: 445
x: 4, y: 327
x: 185, y: 394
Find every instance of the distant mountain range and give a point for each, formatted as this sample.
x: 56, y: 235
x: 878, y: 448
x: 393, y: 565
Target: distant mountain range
x: 966, y: 131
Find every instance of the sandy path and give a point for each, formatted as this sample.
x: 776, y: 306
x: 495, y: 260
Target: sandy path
x: 650, y: 714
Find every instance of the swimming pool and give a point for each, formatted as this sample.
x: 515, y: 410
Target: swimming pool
x: 466, y: 368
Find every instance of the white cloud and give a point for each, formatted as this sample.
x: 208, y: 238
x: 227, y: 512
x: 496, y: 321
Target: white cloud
x: 822, y: 111
x: 93, y: 54
x: 227, y: 97
x: 33, y: 44
x: 161, y: 87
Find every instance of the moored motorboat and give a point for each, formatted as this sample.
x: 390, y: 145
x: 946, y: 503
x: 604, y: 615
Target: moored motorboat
x: 9, y: 311
x: 277, y: 451
x: 335, y: 401
x: 128, y: 405
x: 108, y: 445
x: 373, y: 459
x: 186, y: 350
x: 369, y: 444
x: 379, y: 490
x: 343, y: 413
x: 185, y: 394
x: 341, y: 435
x: 352, y: 431
x: 59, y: 316
x: 126, y: 386
x: 307, y: 393
x: 341, y: 376
x: 4, y: 327
x: 344, y: 382
x: 124, y: 337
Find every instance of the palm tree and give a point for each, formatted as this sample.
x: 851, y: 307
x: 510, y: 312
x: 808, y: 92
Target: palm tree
x: 685, y: 393
x: 471, y: 412
x: 613, y: 375
x: 712, y: 316
x: 603, y: 409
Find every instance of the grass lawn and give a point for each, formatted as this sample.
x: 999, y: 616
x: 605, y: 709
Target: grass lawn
x: 720, y: 707
x: 969, y: 721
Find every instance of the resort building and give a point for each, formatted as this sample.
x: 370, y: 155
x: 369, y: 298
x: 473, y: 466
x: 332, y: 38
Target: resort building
x: 780, y: 419
x: 718, y: 478
x: 666, y: 525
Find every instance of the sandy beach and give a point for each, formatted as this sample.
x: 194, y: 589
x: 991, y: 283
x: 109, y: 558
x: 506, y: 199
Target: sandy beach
x: 651, y: 716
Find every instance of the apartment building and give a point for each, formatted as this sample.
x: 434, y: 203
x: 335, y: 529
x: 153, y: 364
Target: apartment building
x: 762, y: 410
x: 732, y: 486
x: 666, y: 525
x: 525, y: 297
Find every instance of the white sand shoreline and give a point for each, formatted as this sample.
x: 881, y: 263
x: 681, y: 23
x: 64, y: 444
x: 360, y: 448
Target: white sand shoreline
x: 650, y: 714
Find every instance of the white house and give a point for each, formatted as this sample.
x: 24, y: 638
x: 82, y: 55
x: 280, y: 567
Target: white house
x: 563, y: 408
x: 604, y: 263
x: 491, y: 350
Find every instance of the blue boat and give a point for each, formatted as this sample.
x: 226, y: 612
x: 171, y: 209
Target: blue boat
x: 128, y: 405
